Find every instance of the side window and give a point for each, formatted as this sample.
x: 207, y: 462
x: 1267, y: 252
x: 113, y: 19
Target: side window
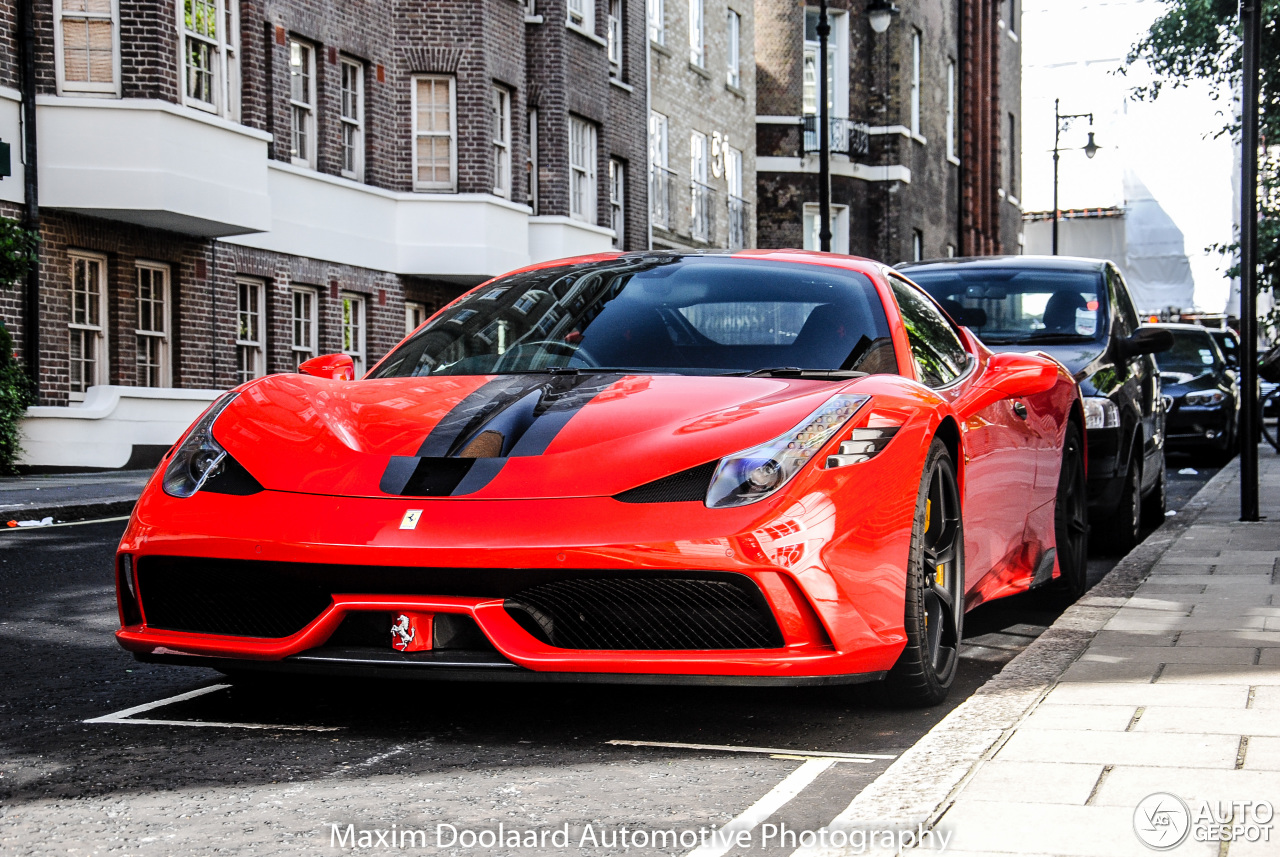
x: 939, y: 356
x: 1124, y: 302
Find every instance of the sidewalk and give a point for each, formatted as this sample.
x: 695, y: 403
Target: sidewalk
x: 70, y: 496
x: 1165, y: 678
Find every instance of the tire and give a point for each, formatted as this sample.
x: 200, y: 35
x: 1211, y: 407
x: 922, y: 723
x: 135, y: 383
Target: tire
x: 1071, y: 520
x: 1157, y: 502
x: 1122, y: 530
x: 934, y: 612
x: 1223, y: 454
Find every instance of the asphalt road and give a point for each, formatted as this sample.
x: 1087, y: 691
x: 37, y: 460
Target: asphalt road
x: 272, y: 768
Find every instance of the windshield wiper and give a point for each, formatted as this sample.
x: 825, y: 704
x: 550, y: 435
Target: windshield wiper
x: 797, y: 372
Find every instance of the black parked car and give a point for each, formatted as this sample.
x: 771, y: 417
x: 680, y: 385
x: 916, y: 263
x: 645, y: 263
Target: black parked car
x: 1229, y: 342
x: 1202, y: 393
x: 1080, y: 312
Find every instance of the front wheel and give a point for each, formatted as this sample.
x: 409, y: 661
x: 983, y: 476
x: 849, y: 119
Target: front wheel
x: 1071, y: 519
x: 935, y: 589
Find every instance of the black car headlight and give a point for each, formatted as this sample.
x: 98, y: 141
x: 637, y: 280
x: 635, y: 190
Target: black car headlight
x: 199, y: 457
x: 1205, y: 398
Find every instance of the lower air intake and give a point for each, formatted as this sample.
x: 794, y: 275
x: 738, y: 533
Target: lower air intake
x: 647, y: 614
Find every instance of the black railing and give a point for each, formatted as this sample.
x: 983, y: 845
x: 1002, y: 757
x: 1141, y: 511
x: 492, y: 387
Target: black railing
x: 737, y: 222
x: 847, y: 136
x: 702, y: 218
x: 660, y: 201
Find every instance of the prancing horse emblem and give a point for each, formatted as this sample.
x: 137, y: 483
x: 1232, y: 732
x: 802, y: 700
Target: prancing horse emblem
x: 402, y: 633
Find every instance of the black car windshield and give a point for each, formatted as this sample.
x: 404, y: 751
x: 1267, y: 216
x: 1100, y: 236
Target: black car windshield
x: 1019, y: 305
x: 673, y: 314
x: 1194, y: 353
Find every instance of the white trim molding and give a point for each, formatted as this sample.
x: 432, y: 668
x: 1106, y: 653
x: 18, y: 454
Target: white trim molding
x: 849, y: 169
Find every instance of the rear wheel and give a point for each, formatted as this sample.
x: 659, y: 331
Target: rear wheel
x: 1071, y: 519
x: 1154, y: 506
x: 935, y: 589
x: 1121, y: 531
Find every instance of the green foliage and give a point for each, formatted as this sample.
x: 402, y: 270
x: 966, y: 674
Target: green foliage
x: 1200, y: 40
x: 18, y: 246
x: 15, y: 395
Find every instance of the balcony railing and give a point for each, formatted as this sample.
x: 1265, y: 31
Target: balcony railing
x: 702, y: 218
x: 847, y: 136
x: 661, y: 183
x: 737, y: 222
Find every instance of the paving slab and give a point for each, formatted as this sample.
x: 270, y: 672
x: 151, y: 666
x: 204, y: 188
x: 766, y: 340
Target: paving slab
x: 1126, y: 786
x: 1068, y: 783
x: 1220, y: 674
x: 1263, y: 754
x: 1198, y: 721
x: 1111, y: 718
x: 1120, y: 748
x: 1170, y: 655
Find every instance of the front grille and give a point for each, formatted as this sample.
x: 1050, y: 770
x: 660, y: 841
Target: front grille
x: 241, y: 599
x: 685, y: 486
x: 647, y: 614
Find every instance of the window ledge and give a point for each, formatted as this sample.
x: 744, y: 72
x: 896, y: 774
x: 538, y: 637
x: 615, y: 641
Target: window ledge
x: 1013, y: 200
x: 660, y: 48
x: 1012, y: 35
x: 919, y: 139
x: 735, y: 90
x: 533, y: 19
x: 626, y: 87
x: 699, y: 70
x: 586, y: 34
x: 1000, y: 192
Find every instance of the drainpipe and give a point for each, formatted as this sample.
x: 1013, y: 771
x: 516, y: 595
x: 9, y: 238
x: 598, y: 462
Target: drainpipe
x: 27, y: 50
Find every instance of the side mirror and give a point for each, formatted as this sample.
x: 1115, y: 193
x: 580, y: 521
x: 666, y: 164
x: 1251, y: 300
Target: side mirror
x: 1017, y: 375
x: 1148, y: 340
x: 335, y: 367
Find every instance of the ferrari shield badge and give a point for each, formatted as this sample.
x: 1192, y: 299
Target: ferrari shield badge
x: 410, y: 519
x: 411, y: 632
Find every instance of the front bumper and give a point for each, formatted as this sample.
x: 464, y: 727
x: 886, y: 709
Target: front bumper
x: 1198, y: 427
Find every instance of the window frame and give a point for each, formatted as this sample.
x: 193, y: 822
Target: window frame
x: 256, y: 346
x: 618, y: 202
x: 452, y: 184
x: 698, y: 33
x: 531, y: 161
x: 226, y: 81
x: 1011, y: 190
x: 101, y: 358
x: 585, y: 12
x: 312, y: 323
x: 898, y: 283
x: 353, y: 125
x: 63, y: 86
x: 951, y: 111
x: 358, y: 350
x: 733, y: 62
x: 500, y: 112
x: 308, y: 159
x: 614, y: 41
x: 916, y: 49
x: 164, y: 361
x: 583, y: 172
x: 840, y: 215
x: 414, y: 310
x: 655, y: 12
x: 837, y: 57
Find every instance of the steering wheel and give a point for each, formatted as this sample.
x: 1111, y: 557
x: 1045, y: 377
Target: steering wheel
x: 552, y: 345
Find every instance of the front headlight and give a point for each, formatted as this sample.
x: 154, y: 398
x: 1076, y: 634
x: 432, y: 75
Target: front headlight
x: 1205, y: 398
x: 200, y: 457
x: 1100, y: 412
x: 753, y: 474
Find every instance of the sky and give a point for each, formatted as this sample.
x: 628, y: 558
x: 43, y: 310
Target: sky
x: 1071, y: 50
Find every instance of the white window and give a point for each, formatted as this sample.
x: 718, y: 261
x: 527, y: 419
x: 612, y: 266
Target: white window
x: 582, y: 170
x: 617, y: 202
x: 88, y: 351
x: 351, y: 114
x: 917, y: 245
x: 153, y: 325
x: 582, y: 14
x: 697, y: 33
x: 698, y: 157
x: 733, y: 74
x: 701, y: 217
x: 87, y: 45
x: 915, y: 82
x: 302, y: 103
x: 353, y: 327
x: 660, y: 186
x: 434, y: 131
x: 657, y: 27
x: 737, y: 205
x: 415, y: 313
x: 304, y: 322
x: 951, y: 251
x: 250, y: 338
x: 500, y: 116
x: 951, y: 108
x: 210, y: 34
x: 839, y: 228
x: 532, y: 163
x: 837, y: 64
x: 615, y: 38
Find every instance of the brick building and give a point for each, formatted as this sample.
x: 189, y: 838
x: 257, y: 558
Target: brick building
x: 702, y: 160
x: 925, y: 128
x: 227, y: 187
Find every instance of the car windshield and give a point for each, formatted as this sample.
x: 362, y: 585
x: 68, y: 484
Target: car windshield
x: 1193, y: 354
x: 673, y: 314
x: 1015, y: 305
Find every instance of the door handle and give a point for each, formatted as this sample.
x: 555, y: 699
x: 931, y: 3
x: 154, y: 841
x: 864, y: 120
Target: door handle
x: 1020, y: 409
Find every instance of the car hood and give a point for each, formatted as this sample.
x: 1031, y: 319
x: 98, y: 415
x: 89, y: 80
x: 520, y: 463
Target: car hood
x: 1076, y: 356
x: 501, y: 437
x: 1178, y: 384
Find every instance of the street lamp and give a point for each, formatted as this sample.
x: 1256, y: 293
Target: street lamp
x: 880, y: 14
x: 1090, y: 149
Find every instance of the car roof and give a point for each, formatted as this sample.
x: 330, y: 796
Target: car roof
x: 1034, y: 263
x: 1176, y: 327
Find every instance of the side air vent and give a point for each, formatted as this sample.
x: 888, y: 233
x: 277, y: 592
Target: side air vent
x: 682, y: 487
x: 647, y: 614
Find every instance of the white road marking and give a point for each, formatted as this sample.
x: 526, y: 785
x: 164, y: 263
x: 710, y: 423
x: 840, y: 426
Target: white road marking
x: 126, y: 716
x: 4, y: 529
x: 725, y: 839
x: 861, y: 758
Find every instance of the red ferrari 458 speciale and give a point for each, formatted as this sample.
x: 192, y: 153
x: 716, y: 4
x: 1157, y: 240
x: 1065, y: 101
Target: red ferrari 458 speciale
x: 761, y: 467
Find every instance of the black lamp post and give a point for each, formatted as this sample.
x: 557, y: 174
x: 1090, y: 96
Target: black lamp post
x: 1090, y: 149
x: 824, y: 134
x: 1251, y: 26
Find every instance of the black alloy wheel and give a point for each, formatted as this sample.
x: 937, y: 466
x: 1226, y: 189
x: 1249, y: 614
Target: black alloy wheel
x: 1123, y: 529
x: 935, y: 589
x: 1071, y: 520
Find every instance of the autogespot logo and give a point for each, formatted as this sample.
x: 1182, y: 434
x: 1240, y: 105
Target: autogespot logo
x: 1162, y: 821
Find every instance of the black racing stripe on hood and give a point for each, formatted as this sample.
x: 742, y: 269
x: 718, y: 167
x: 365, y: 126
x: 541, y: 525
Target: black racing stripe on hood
x: 528, y: 411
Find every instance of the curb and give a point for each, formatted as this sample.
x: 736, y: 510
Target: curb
x: 109, y: 508
x: 922, y: 784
